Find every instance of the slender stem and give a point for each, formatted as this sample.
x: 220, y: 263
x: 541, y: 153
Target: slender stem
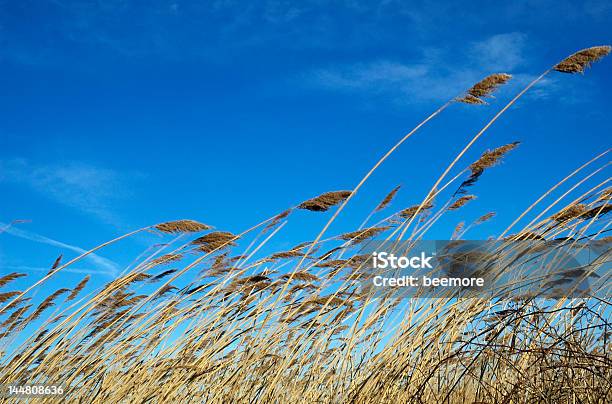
x: 469, y: 145
x: 369, y: 174
x: 50, y: 274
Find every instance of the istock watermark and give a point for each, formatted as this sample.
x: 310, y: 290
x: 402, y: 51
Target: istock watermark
x: 388, y: 260
x: 385, y: 260
x: 425, y: 281
x: 506, y: 269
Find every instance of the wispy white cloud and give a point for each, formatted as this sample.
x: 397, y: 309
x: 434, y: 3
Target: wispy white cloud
x: 436, y: 75
x: 84, y: 187
x: 396, y: 82
x: 378, y: 75
x: 26, y: 268
x: 499, y: 52
x: 104, y: 265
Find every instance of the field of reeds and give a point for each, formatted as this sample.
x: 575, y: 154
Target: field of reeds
x: 204, y: 317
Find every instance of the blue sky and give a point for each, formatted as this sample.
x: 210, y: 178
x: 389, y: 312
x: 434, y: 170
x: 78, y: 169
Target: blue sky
x: 122, y: 114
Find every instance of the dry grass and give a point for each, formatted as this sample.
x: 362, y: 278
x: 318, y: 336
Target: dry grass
x: 214, y: 241
x: 181, y: 226
x: 325, y: 201
x: 387, y: 199
x: 487, y: 160
x: 484, y: 88
x: 462, y: 201
x: 580, y: 60
x: 232, y: 323
x: 9, y: 278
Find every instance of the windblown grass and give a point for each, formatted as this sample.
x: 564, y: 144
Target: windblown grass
x: 227, y: 323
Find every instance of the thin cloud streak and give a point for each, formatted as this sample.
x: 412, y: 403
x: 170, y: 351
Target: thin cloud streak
x: 25, y: 268
x: 436, y: 76
x: 80, y: 186
x: 500, y: 52
x: 109, y: 267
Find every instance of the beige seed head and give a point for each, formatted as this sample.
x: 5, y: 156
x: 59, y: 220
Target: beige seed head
x: 461, y: 202
x: 77, y: 289
x: 570, y: 212
x: 485, y: 217
x: 325, y: 201
x: 9, y: 278
x: 181, y: 226
x: 361, y: 235
x: 387, y: 200
x: 580, y: 60
x: 484, y: 88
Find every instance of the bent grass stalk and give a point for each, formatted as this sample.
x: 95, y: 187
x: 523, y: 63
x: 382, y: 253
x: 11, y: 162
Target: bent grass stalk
x: 469, y: 145
x: 251, y: 335
x: 558, y: 184
x: 576, y: 62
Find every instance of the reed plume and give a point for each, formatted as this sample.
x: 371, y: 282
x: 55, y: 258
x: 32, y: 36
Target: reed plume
x: 287, y: 254
x: 182, y: 226
x: 214, y: 241
x: 457, y: 230
x: 48, y: 302
x: 411, y: 211
x: 487, y: 160
x: 9, y: 278
x: 78, y: 288
x: 15, y: 316
x: 57, y: 262
x: 484, y: 88
x: 461, y: 202
x: 362, y: 235
x: 162, y: 275
x: 387, y: 199
x: 324, y: 201
x: 485, y: 218
x: 165, y: 259
x: 276, y: 219
x: 599, y: 210
x: 581, y: 60
x: 7, y: 295
x: 302, y: 276
x: 571, y: 212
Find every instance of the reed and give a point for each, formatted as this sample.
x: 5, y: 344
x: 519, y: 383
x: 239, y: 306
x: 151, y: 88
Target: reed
x: 230, y: 321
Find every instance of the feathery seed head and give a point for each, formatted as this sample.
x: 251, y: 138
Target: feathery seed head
x: 324, y: 201
x: 570, y: 212
x: 364, y: 234
x: 81, y: 285
x: 214, y: 241
x: 484, y: 88
x: 461, y: 201
x: 9, y: 278
x: 181, y: 226
x: 485, y: 217
x: 387, y: 200
x: 580, y: 60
